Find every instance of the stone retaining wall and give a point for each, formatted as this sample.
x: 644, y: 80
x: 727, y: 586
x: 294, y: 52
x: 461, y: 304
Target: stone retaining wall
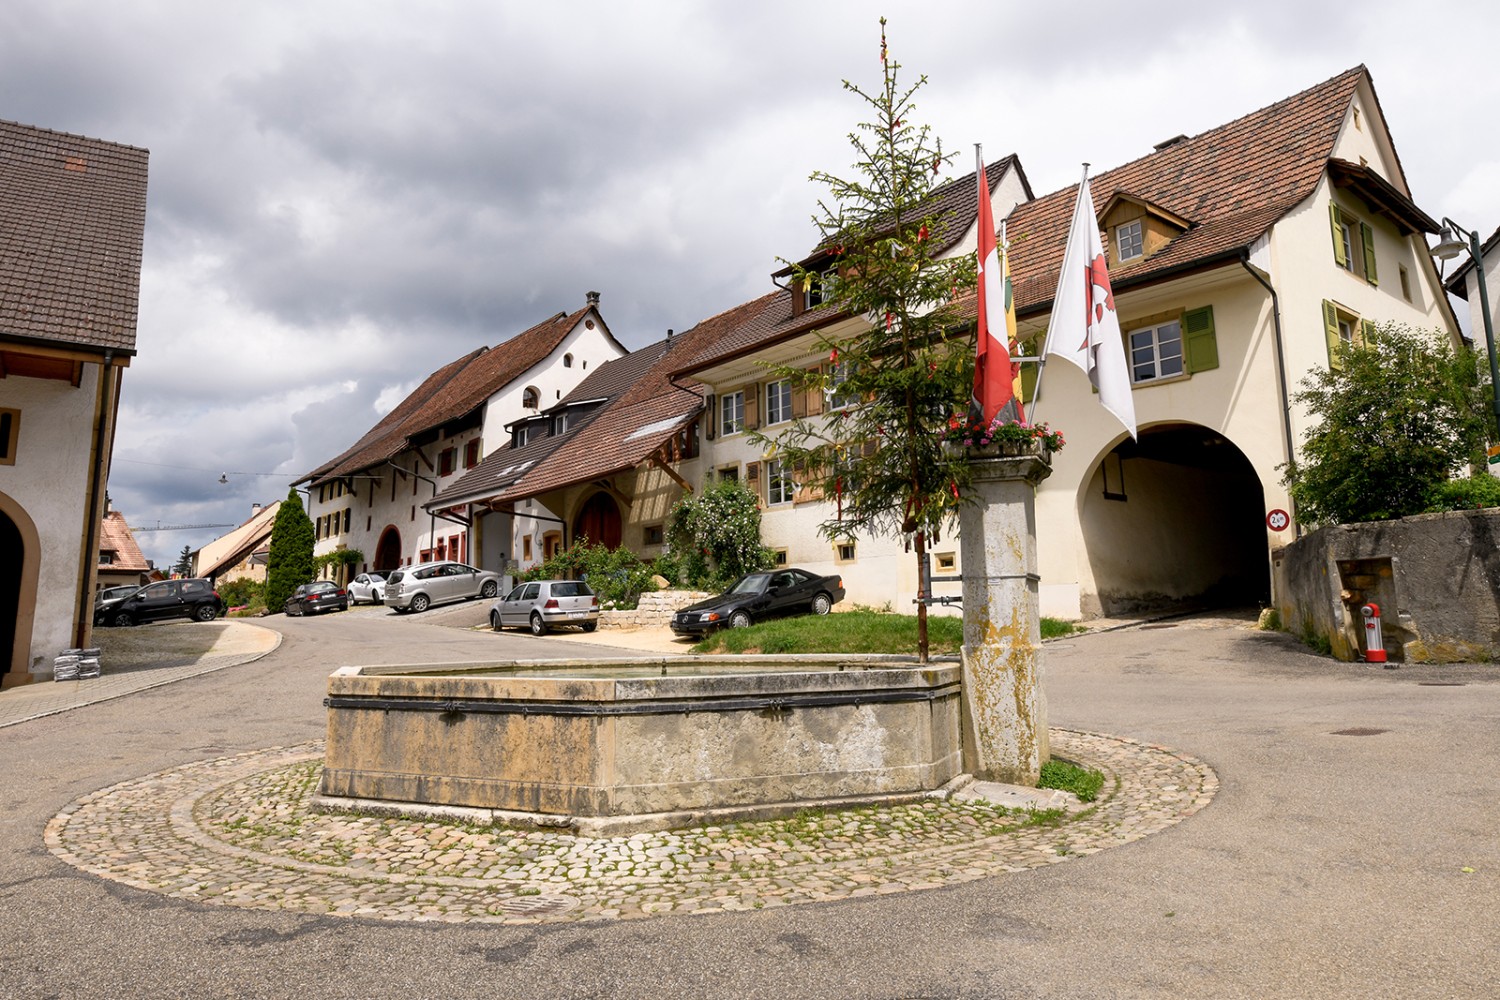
x: 655, y: 608
x: 1436, y: 578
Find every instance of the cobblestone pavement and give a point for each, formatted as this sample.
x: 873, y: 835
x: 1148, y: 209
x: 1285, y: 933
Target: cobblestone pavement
x: 140, y: 658
x: 237, y: 831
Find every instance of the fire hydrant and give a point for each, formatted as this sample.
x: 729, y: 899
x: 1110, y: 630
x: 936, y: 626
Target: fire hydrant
x: 1374, y: 644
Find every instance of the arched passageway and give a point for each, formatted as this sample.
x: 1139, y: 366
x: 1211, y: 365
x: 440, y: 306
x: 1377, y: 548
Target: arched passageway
x: 388, y: 552
x: 599, y: 521
x: 1173, y: 518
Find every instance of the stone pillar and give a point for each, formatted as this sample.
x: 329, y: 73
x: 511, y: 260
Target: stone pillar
x: 1005, y: 710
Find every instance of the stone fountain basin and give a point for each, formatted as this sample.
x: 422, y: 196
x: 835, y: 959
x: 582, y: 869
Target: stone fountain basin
x: 607, y: 747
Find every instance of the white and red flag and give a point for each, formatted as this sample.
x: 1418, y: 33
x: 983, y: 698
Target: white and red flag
x: 994, y: 376
x: 1085, y: 329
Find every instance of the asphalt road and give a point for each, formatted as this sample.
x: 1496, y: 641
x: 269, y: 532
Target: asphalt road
x: 1328, y: 866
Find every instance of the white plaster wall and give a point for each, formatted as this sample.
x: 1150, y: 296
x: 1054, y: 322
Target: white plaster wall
x: 590, y: 348
x: 1006, y: 193
x: 50, y: 481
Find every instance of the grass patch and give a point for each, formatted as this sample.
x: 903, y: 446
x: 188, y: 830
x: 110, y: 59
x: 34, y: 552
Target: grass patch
x: 1067, y: 777
x: 862, y: 630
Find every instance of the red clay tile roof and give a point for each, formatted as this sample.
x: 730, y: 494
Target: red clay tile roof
x: 1231, y: 183
x: 451, y: 392
x: 116, y: 539
x: 955, y: 204
x: 645, y: 416
x: 72, y: 218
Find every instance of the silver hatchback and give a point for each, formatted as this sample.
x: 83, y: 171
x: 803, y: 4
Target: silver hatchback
x: 417, y: 588
x: 544, y: 604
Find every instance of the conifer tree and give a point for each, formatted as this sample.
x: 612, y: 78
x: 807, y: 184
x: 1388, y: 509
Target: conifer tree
x: 290, y: 561
x: 881, y: 460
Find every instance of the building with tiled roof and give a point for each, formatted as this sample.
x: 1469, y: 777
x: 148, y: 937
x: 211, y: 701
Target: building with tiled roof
x: 121, y: 561
x: 610, y: 459
x: 373, y: 497
x: 1240, y: 258
x: 239, y: 554
x: 72, y: 221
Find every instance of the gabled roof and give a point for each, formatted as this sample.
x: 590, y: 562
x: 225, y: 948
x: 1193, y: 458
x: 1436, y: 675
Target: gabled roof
x: 115, y: 537
x: 231, y: 549
x: 954, y: 204
x: 452, y: 392
x: 72, y: 219
x: 506, y: 466
x: 1231, y: 184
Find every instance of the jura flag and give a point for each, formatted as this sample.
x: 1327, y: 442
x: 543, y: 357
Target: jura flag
x: 1084, y: 328
x: 993, y: 385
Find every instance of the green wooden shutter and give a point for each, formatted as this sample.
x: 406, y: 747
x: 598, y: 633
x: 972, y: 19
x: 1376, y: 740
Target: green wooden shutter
x: 1200, y: 346
x: 1331, y: 334
x: 711, y: 403
x: 1367, y: 237
x: 1366, y: 332
x: 1338, y: 235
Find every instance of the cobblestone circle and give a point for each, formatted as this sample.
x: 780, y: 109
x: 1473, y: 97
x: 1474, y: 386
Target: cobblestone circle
x: 237, y: 831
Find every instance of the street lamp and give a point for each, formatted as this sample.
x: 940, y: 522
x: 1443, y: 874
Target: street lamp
x: 1449, y: 245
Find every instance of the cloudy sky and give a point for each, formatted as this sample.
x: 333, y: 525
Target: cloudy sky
x: 345, y: 196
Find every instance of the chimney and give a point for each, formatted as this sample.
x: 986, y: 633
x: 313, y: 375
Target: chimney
x: 254, y: 509
x: 669, y: 333
x: 593, y: 298
x: 1168, y: 143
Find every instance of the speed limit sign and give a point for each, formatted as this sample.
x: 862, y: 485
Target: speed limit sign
x: 1278, y: 520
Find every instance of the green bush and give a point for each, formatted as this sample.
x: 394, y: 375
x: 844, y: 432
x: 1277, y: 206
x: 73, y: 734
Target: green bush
x: 715, y: 534
x: 617, y: 575
x: 290, y: 561
x: 1473, y: 493
x: 243, y: 591
x: 1067, y: 777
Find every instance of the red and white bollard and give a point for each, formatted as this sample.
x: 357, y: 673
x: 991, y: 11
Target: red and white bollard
x: 1374, y: 644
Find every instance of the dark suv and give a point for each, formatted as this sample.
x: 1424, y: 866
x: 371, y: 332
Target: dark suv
x: 190, y: 598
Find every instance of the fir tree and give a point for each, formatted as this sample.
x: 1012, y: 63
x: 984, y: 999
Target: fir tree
x: 290, y: 562
x: 184, y: 564
x: 882, y: 460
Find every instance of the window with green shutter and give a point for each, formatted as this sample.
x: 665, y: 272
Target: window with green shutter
x: 1201, y: 345
x: 1342, y: 329
x: 1353, y: 243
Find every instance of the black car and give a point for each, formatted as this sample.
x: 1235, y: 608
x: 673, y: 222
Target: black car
x: 761, y: 595
x: 315, y: 597
x: 189, y: 598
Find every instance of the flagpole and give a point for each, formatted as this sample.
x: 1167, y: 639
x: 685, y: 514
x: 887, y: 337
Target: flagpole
x: 1041, y: 368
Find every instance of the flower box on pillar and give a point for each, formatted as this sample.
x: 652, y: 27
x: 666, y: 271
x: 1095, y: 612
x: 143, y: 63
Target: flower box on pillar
x: 1004, y: 704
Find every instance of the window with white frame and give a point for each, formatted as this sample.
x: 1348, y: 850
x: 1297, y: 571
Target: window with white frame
x: 1129, y: 243
x: 1156, y: 352
x: 779, y: 487
x: 778, y: 401
x: 732, y: 413
x: 819, y: 288
x: 838, y: 398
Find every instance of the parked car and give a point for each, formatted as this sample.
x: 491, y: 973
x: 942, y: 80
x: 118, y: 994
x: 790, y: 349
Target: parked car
x: 188, y: 598
x: 417, y: 588
x: 318, y: 596
x: 368, y: 588
x: 761, y: 595
x: 114, y: 593
x: 544, y: 604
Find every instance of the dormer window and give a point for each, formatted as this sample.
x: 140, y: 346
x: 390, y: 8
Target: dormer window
x: 819, y: 287
x: 518, y: 436
x: 560, y: 424
x: 1129, y: 243
x: 531, y: 397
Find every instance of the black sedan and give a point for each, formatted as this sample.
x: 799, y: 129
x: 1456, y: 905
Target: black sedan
x: 312, y: 598
x: 761, y: 595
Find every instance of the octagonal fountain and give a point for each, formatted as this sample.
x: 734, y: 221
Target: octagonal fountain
x: 612, y: 747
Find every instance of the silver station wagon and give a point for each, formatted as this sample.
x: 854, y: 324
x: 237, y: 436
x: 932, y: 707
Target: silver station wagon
x: 545, y: 604
x: 417, y: 588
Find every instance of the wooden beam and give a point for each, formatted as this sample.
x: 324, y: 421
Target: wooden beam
x: 671, y: 473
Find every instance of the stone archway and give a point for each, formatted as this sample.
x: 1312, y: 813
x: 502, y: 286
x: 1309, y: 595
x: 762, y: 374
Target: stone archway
x: 599, y: 521
x: 1174, y: 518
x: 388, y: 551
x: 20, y: 564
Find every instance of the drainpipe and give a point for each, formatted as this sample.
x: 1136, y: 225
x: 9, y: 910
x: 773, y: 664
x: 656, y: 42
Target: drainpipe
x: 1286, y: 406
x: 102, y: 409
